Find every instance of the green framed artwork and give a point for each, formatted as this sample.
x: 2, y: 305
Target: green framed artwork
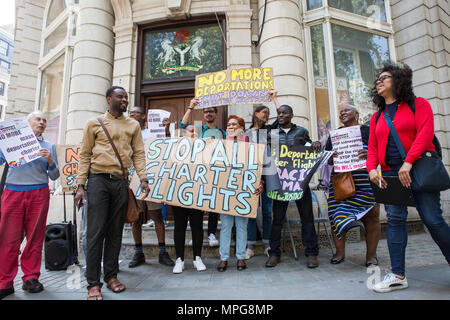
x: 182, y: 52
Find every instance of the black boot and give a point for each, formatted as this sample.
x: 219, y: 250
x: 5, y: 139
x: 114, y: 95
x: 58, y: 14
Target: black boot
x: 137, y: 260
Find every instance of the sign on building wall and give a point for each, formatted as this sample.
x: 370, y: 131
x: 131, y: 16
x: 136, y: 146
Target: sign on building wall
x: 18, y: 142
x: 206, y: 174
x: 68, y: 157
x: 234, y: 86
x: 181, y: 52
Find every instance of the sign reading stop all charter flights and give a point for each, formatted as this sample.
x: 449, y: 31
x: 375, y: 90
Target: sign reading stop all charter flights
x: 18, y: 142
x: 347, y: 142
x: 234, y: 86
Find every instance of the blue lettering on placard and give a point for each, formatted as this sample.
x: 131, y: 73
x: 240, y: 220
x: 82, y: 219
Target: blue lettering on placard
x: 171, y: 170
x: 226, y: 198
x: 155, y: 149
x: 184, y: 172
x: 220, y: 154
x: 217, y: 171
x: 241, y: 198
x: 171, y: 189
x: 187, y: 146
x: 190, y: 197
x: 248, y: 181
x: 169, y: 143
x: 211, y: 197
x: 232, y: 178
x: 200, y: 172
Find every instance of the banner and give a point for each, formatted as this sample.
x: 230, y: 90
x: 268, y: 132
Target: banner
x: 347, y: 142
x: 296, y: 166
x: 155, y: 126
x: 234, y: 86
x: 18, y: 142
x: 68, y: 157
x: 213, y: 175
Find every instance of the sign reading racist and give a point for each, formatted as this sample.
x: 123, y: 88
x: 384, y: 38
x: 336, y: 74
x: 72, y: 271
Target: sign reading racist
x: 234, y: 86
x: 347, y: 142
x: 68, y: 156
x: 18, y: 142
x: 296, y: 166
x: 206, y: 174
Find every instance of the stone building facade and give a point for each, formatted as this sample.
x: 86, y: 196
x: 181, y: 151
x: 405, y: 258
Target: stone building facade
x: 324, y: 54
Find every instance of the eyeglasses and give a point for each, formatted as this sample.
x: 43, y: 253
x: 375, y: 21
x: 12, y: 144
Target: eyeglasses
x: 382, y: 78
x: 209, y: 111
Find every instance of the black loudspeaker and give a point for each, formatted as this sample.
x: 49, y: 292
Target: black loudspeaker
x: 60, y: 246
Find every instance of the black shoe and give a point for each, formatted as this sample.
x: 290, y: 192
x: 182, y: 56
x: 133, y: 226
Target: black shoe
x: 272, y: 261
x: 165, y: 259
x: 138, y: 259
x: 241, y: 265
x: 312, y: 262
x: 222, y: 266
x: 32, y: 286
x: 6, y: 292
x: 337, y: 261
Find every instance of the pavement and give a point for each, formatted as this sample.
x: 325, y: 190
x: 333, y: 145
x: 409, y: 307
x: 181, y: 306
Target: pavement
x: 428, y: 277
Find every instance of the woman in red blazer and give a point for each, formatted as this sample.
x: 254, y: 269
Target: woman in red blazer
x: 393, y: 92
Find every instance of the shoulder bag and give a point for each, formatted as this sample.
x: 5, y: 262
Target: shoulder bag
x: 428, y: 173
x: 132, y: 214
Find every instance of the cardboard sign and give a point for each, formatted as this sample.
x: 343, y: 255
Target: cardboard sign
x: 206, y: 174
x: 155, y: 118
x: 68, y: 157
x: 347, y: 142
x: 234, y: 86
x: 296, y: 166
x: 18, y: 142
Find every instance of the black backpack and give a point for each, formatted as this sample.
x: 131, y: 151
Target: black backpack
x: 436, y: 143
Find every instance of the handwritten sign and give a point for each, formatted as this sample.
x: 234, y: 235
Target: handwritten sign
x: 296, y: 166
x: 155, y: 126
x: 68, y: 156
x: 234, y: 86
x: 347, y: 142
x: 206, y: 174
x: 18, y: 142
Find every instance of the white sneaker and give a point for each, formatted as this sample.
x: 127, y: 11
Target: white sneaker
x: 198, y: 264
x: 266, y: 251
x: 179, y: 266
x: 390, y: 283
x: 213, y: 242
x: 249, y: 253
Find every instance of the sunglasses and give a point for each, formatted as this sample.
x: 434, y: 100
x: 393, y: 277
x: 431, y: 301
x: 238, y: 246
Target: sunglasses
x: 209, y: 111
x: 382, y: 78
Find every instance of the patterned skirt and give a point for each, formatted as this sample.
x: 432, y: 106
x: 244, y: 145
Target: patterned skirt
x: 342, y: 213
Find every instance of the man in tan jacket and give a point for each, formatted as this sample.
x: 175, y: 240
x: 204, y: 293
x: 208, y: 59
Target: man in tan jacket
x: 107, y: 189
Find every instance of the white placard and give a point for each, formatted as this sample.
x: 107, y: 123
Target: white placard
x: 155, y: 127
x: 347, y: 142
x: 18, y: 142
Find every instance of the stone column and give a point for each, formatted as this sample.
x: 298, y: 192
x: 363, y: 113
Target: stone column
x: 92, y: 66
x: 239, y: 47
x: 281, y: 47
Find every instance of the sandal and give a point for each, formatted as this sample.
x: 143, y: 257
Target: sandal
x: 95, y: 293
x: 115, y: 285
x: 372, y: 263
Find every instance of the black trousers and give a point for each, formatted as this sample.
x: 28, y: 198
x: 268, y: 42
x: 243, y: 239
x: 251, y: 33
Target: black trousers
x: 213, y: 219
x: 309, y: 236
x: 181, y: 216
x: 107, y: 205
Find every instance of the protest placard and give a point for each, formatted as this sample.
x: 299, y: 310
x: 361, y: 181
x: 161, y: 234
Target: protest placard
x: 68, y: 157
x: 234, y: 86
x: 296, y: 166
x: 206, y: 174
x: 18, y: 142
x: 347, y: 142
x: 155, y: 126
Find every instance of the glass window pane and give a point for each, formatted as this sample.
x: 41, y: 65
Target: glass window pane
x: 50, y: 97
x: 2, y: 88
x: 186, y: 51
x: 320, y: 84
x: 314, y: 4
x: 357, y: 55
x: 374, y: 9
x: 56, y: 8
x: 55, y: 37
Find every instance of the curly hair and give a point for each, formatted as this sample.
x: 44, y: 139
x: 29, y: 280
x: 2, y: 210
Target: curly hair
x: 239, y: 120
x: 402, y: 84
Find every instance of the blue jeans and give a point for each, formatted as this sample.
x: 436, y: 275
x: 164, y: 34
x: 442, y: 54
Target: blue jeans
x: 429, y: 208
x: 225, y: 236
x: 266, y: 208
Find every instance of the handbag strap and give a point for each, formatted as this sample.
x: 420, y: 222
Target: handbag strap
x: 394, y: 134
x: 114, y: 148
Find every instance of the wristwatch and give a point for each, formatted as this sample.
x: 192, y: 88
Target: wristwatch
x: 82, y: 186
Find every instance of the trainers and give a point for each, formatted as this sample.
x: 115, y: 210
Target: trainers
x: 179, y: 266
x: 390, y: 283
x: 249, y: 253
x: 213, y: 242
x: 137, y: 260
x: 165, y: 259
x: 198, y: 264
x: 266, y: 251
